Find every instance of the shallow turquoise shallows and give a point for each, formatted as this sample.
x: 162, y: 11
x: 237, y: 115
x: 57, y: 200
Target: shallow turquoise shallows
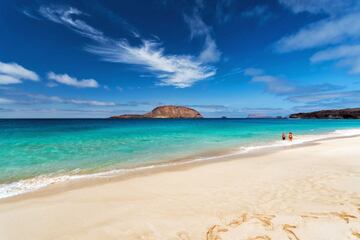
x: 30, y: 148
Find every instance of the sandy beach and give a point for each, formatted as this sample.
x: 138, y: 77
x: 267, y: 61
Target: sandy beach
x: 307, y: 192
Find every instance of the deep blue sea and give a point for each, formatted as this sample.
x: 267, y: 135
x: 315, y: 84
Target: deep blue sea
x: 34, y: 152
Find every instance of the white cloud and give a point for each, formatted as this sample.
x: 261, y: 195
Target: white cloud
x: 71, y: 81
x: 311, y: 102
x: 196, y: 25
x: 5, y: 101
x: 12, y: 73
x: 172, y: 70
x: 329, y: 97
x: 330, y: 7
x: 52, y: 84
x: 90, y: 102
x: 253, y: 71
x: 274, y: 84
x: 198, y: 28
x: 6, y: 79
x: 344, y: 51
x: 28, y: 13
x: 342, y: 27
x: 55, y: 99
x: 280, y: 86
x: 18, y: 71
x: 352, y: 63
x: 346, y: 55
x: 322, y: 33
x: 210, y: 107
x: 210, y: 52
x: 66, y: 16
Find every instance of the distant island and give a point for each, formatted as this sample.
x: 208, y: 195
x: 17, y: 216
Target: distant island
x: 348, y: 113
x: 169, y: 111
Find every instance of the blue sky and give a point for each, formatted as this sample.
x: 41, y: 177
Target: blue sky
x: 224, y: 58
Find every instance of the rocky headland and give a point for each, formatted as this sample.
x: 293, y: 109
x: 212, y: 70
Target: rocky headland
x: 348, y: 113
x: 164, y: 112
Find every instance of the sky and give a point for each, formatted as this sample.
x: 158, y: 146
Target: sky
x: 234, y: 58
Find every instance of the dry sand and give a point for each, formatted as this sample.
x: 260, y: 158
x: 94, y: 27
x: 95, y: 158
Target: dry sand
x: 310, y: 192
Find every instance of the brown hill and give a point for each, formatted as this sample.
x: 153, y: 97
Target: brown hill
x: 165, y: 112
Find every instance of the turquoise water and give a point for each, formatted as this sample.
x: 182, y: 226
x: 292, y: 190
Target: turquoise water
x: 31, y: 148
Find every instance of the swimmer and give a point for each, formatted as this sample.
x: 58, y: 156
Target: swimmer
x: 291, y: 136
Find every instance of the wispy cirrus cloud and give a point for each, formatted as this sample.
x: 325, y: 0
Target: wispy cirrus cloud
x: 343, y: 51
x: 324, y: 97
x: 23, y: 98
x: 6, y: 79
x: 311, y: 97
x: 173, y: 70
x: 345, y: 55
x: 322, y: 33
x: 340, y: 28
x: 5, y: 101
x: 71, y: 81
x: 210, y: 52
x: 335, y: 99
x: 88, y: 102
x: 69, y: 17
x: 330, y: 7
x: 273, y: 84
x: 210, y: 107
x: 198, y: 28
x: 44, y: 99
x: 30, y: 14
x: 283, y: 87
x: 13, y: 73
x: 121, y: 22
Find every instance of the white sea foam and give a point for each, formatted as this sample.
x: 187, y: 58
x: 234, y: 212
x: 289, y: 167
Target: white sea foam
x: 33, y: 184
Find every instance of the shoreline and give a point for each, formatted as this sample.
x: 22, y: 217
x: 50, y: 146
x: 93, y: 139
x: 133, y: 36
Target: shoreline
x: 73, y: 182
x: 293, y: 193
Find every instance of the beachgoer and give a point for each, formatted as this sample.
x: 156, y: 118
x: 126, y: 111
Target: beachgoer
x: 290, y: 136
x: 283, y: 136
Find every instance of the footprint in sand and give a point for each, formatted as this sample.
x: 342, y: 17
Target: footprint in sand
x: 316, y: 226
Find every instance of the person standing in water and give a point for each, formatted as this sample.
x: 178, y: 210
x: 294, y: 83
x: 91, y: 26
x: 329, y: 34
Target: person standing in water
x: 283, y: 137
x: 290, y: 136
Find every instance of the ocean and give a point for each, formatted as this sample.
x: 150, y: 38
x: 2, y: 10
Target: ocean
x: 37, y: 152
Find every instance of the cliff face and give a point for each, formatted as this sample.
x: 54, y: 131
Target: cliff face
x: 165, y: 112
x: 349, y: 113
